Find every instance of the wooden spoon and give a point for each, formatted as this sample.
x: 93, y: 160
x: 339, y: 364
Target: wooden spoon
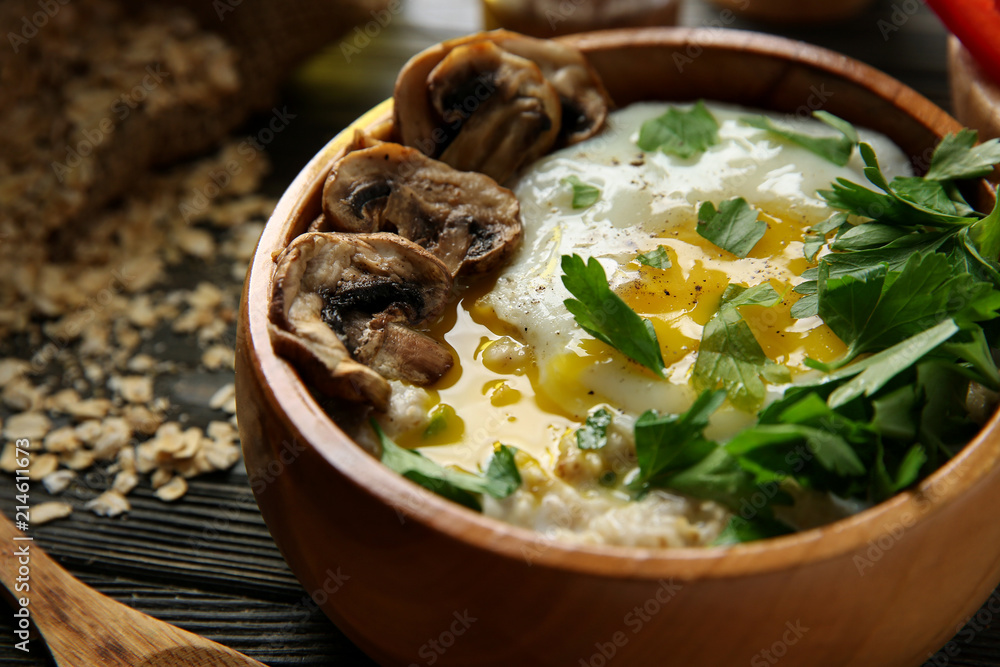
x: 84, y: 628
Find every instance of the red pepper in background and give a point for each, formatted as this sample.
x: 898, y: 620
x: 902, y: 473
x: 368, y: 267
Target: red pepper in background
x: 976, y: 23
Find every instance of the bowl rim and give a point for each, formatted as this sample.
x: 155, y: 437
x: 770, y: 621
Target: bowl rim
x: 281, y: 385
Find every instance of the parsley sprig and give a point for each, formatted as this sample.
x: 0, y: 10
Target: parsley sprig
x: 499, y: 481
x: 911, y: 284
x: 605, y: 316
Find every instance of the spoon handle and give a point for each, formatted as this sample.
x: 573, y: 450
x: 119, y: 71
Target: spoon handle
x: 84, y: 628
x: 29, y: 575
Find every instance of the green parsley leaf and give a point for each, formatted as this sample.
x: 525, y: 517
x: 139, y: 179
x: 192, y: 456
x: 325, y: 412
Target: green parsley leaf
x: 834, y: 149
x: 502, y: 475
x: 734, y: 227
x: 836, y: 221
x: 594, y: 433
x: 584, y: 194
x: 440, y: 415
x: 729, y: 354
x: 875, y: 371
x: 985, y: 233
x: 664, y: 444
x: 501, y: 480
x: 811, y: 245
x: 681, y: 133
x: 602, y: 313
x: 739, y: 530
x: 719, y: 477
x: 958, y: 157
x: 894, y: 413
x: 876, y: 309
x: 909, y: 469
x: 658, y: 258
x: 863, y: 237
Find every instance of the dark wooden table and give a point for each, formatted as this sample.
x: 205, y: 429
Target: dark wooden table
x: 207, y: 563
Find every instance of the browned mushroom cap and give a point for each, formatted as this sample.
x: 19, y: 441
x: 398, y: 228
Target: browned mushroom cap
x: 506, y: 113
x: 464, y: 218
x: 584, y: 101
x: 341, y: 310
x: 413, y: 117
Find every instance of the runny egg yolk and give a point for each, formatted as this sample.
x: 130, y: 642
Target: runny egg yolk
x: 500, y: 395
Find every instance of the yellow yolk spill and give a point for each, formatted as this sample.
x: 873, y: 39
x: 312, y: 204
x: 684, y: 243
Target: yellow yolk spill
x: 494, y: 385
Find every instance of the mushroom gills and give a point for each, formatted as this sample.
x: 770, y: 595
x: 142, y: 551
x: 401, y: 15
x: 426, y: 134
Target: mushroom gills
x: 464, y: 218
x: 515, y: 123
x: 343, y: 306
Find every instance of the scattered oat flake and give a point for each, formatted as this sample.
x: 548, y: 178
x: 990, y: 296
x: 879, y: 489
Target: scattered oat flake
x: 42, y: 465
x: 81, y: 459
x: 11, y: 369
x: 91, y: 408
x: 49, y: 511
x: 58, y: 481
x: 160, y: 477
x: 109, y: 503
x: 125, y: 481
x: 173, y: 489
x: 134, y: 388
x: 63, y: 439
x: 31, y: 425
x: 221, y: 399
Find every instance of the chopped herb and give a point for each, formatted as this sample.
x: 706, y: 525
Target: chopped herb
x: 502, y: 475
x: 958, y: 157
x: 876, y: 309
x: 594, y: 433
x: 811, y: 245
x: 657, y: 258
x: 734, y: 227
x: 834, y: 149
x: 730, y: 355
x: 665, y: 444
x: 906, y: 200
x: 500, y: 480
x: 602, y: 313
x: 740, y: 530
x: 814, y: 241
x: 440, y: 416
x: 681, y: 133
x: 584, y: 194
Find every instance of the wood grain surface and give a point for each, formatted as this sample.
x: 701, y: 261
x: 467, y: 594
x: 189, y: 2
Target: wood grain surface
x: 207, y: 562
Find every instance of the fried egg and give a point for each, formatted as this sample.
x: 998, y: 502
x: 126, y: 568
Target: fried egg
x: 527, y: 374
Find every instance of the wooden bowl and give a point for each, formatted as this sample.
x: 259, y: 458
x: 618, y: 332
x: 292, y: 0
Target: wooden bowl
x: 792, y: 12
x: 416, y: 580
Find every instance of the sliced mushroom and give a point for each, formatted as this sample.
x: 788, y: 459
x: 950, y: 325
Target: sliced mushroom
x: 505, y: 112
x: 584, y: 100
x: 341, y: 310
x: 464, y: 218
x: 419, y: 122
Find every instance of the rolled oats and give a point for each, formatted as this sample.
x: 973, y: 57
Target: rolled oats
x: 49, y: 511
